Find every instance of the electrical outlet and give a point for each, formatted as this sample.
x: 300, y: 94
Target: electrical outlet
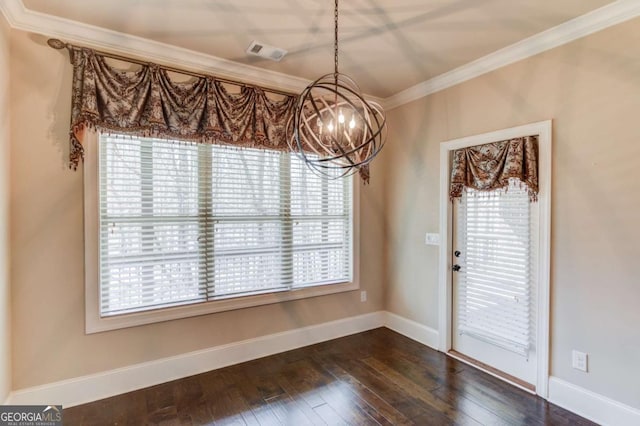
x: 363, y: 296
x: 579, y: 360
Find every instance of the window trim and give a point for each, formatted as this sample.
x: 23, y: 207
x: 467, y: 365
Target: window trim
x: 94, y: 323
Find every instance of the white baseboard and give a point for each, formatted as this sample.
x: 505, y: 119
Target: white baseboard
x: 590, y: 405
x: 583, y: 402
x: 413, y: 330
x: 93, y: 387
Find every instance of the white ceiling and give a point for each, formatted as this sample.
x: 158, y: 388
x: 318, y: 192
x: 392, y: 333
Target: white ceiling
x: 387, y: 46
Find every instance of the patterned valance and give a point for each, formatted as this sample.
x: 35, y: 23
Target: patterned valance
x: 489, y: 167
x: 147, y: 102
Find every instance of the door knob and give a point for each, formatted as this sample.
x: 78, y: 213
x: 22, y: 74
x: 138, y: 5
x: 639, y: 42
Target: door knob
x: 457, y: 253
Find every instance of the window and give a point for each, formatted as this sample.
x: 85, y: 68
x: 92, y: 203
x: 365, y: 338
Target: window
x: 183, y: 223
x: 496, y: 284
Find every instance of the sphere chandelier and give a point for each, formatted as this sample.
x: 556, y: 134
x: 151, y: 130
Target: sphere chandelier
x: 334, y: 127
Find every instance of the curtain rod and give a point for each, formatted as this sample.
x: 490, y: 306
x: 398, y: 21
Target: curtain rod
x: 59, y: 44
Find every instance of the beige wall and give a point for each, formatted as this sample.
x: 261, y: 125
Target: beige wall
x: 591, y: 89
x: 49, y: 343
x: 5, y: 311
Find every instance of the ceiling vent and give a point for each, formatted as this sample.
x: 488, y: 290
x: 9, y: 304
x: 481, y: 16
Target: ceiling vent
x: 265, y: 51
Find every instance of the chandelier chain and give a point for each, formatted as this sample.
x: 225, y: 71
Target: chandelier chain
x: 335, y: 34
x: 334, y: 129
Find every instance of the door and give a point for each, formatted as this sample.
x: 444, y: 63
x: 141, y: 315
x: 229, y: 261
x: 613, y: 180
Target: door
x: 494, y: 280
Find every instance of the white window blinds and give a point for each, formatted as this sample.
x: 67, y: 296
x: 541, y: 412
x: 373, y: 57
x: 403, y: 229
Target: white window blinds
x: 183, y: 223
x: 495, y: 282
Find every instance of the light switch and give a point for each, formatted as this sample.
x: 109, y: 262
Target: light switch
x: 432, y: 239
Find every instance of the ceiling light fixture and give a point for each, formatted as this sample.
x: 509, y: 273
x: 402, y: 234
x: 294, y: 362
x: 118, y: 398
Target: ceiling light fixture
x: 334, y: 127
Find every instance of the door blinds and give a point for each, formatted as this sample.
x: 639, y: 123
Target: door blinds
x: 496, y: 276
x: 185, y: 223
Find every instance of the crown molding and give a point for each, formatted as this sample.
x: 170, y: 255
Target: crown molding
x: 589, y: 23
x: 21, y: 18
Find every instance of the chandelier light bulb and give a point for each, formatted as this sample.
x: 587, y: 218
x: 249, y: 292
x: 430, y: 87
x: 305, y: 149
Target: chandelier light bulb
x: 330, y: 126
x: 340, y: 117
x: 352, y: 123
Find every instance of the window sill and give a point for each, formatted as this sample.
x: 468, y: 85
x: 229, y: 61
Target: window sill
x: 96, y: 324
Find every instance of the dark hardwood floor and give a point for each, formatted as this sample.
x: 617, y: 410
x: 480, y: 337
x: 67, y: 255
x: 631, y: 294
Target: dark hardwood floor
x: 376, y: 377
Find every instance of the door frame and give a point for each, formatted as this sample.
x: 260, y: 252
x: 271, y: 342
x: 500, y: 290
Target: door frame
x: 445, y: 299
